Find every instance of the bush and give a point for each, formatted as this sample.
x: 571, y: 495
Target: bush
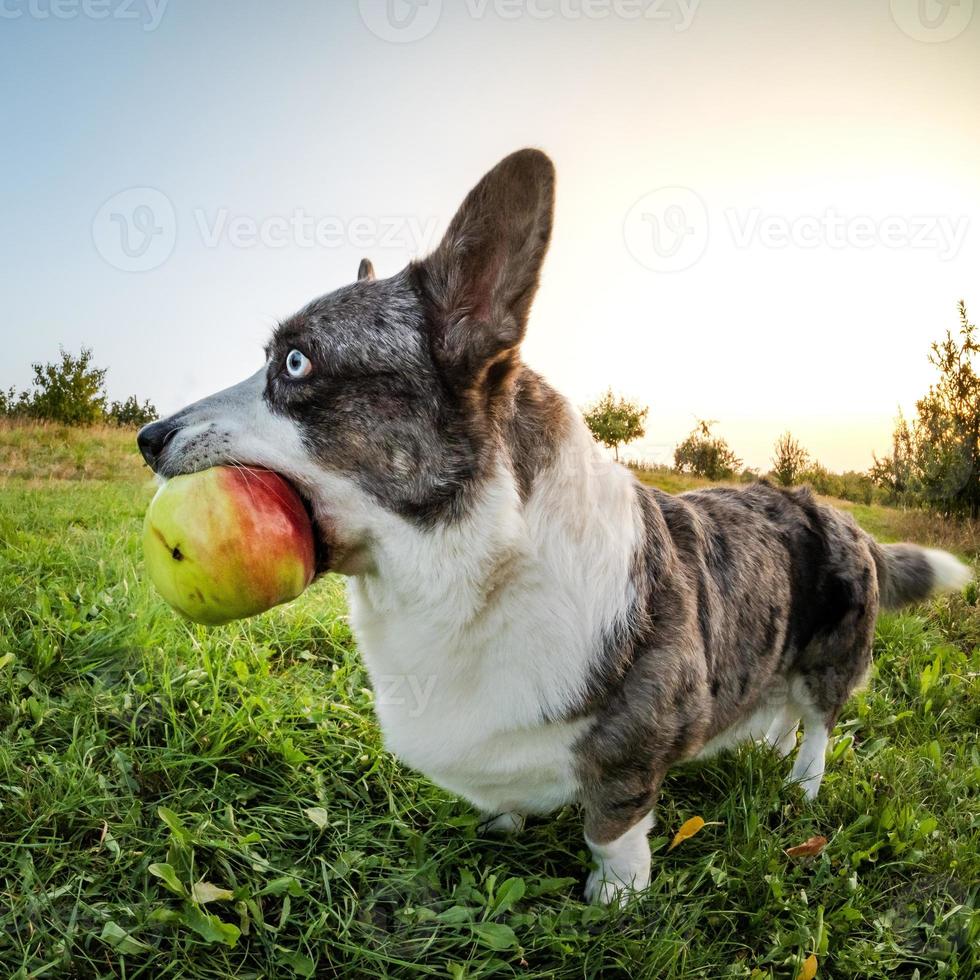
x: 856, y: 487
x: 789, y: 460
x: 704, y: 455
x: 72, y: 391
x: 895, y: 474
x: 12, y: 404
x: 131, y: 413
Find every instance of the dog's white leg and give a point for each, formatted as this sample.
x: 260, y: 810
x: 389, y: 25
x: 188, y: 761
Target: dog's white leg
x: 809, y: 765
x: 622, y: 865
x: 498, y: 824
x: 781, y: 735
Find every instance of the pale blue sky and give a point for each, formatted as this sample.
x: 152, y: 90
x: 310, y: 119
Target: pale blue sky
x: 821, y: 160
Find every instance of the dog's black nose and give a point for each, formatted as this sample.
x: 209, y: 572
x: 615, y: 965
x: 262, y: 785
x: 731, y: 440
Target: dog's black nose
x: 154, y: 437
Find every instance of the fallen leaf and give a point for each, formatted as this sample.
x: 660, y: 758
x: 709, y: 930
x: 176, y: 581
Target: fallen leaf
x: 809, y: 848
x: 688, y: 829
x: 121, y: 941
x: 203, y: 892
x: 318, y: 815
x: 809, y: 970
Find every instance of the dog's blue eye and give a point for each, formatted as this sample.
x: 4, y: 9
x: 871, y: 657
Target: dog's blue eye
x: 298, y: 364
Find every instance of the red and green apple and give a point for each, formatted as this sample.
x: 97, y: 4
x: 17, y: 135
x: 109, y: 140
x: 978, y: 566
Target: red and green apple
x: 228, y: 542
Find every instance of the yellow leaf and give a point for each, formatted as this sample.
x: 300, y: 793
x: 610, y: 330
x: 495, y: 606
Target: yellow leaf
x: 204, y: 892
x: 809, y: 970
x: 688, y: 829
x: 318, y: 815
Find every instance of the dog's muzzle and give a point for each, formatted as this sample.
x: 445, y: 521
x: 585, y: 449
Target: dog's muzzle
x: 153, y: 438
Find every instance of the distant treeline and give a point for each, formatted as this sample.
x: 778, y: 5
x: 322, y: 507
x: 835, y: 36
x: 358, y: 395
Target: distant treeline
x: 72, y: 391
x: 935, y: 460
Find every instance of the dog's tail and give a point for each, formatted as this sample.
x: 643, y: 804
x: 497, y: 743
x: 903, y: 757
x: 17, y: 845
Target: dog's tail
x: 908, y: 573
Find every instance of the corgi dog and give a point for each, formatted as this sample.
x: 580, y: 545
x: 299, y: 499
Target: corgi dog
x: 576, y: 633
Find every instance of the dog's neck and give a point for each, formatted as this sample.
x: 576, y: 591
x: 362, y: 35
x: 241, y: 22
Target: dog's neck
x: 570, y: 516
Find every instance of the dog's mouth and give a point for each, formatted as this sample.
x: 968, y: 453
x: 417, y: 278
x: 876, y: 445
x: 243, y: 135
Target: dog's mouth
x: 322, y: 551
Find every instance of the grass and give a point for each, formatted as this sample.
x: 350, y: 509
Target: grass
x: 182, y: 802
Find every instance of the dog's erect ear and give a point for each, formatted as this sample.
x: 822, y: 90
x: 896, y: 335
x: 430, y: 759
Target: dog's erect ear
x: 365, y: 271
x: 479, y: 283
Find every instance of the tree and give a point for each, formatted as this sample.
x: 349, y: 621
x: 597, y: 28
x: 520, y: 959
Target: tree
x: 937, y: 462
x: 705, y: 455
x: 616, y: 421
x: 947, y: 430
x: 789, y: 460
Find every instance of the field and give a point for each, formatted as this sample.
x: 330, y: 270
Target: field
x: 182, y: 802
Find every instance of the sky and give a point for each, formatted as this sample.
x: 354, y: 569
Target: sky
x: 767, y: 210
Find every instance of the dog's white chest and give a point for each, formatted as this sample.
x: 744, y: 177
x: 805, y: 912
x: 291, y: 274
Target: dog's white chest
x: 472, y: 724
x: 478, y: 633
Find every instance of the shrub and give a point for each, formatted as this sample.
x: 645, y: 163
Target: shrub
x: 131, y: 413
x: 12, y: 404
x: 789, y: 460
x: 705, y: 455
x: 72, y: 391
x: 895, y: 474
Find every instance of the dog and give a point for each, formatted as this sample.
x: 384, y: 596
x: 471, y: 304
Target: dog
x: 577, y: 633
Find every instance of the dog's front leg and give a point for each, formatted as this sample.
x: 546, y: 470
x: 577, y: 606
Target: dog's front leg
x: 616, y: 832
x: 500, y: 824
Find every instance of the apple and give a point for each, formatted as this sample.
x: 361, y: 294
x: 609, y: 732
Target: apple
x: 228, y: 542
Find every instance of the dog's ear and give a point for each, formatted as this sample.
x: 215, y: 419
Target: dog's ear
x: 479, y: 283
x: 365, y: 271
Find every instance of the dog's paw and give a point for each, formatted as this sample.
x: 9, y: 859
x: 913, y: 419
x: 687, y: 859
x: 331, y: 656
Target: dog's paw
x: 609, y: 884
x: 501, y: 824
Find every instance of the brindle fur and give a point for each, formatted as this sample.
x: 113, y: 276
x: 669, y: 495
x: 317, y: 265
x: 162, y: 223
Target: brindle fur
x: 742, y: 596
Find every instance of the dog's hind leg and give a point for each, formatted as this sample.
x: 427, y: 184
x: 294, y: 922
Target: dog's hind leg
x: 809, y: 765
x: 781, y: 734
